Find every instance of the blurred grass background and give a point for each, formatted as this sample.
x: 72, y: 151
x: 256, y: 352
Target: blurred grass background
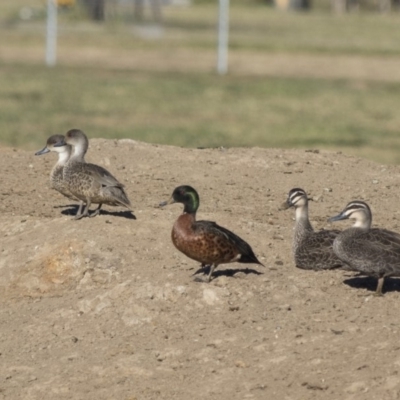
x: 300, y: 80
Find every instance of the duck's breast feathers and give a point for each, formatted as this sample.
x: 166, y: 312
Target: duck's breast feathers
x: 217, y: 233
x: 101, y: 175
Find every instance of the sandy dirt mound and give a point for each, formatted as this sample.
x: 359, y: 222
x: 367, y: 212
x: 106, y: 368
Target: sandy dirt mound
x: 106, y: 308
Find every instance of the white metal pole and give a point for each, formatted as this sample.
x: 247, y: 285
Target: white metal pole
x: 223, y: 31
x: 51, y: 33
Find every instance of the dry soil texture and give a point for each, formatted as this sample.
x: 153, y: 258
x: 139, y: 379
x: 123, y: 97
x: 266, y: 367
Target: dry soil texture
x: 107, y: 308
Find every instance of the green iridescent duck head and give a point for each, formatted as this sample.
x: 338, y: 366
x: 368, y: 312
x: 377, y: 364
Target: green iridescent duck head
x: 187, y: 196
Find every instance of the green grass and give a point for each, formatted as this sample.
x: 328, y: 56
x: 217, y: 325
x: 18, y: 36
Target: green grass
x: 199, y: 108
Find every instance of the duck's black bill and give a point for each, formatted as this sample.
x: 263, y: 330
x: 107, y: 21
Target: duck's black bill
x: 43, y: 151
x: 338, y: 217
x: 165, y: 203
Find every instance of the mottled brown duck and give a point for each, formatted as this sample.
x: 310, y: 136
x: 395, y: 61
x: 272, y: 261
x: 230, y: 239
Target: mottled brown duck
x: 311, y: 249
x: 90, y: 183
x: 373, y: 252
x: 56, y: 175
x: 205, y: 241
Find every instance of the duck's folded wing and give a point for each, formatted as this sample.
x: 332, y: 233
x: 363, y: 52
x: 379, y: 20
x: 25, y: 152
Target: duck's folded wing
x: 316, y: 251
x: 320, y: 241
x: 380, y: 245
x: 213, y: 229
x: 102, y: 175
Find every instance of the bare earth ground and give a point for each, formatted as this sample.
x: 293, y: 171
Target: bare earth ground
x: 106, y: 308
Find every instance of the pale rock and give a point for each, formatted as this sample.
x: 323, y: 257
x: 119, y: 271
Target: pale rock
x: 392, y: 382
x: 210, y: 297
x: 359, y: 386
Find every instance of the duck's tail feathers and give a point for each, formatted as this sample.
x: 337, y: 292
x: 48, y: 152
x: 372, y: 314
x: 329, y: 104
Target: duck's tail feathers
x: 120, y: 198
x: 250, y: 259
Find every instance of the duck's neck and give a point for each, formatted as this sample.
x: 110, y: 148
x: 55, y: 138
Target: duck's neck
x: 189, y: 215
x: 185, y: 222
x: 79, y: 152
x: 191, y: 207
x: 362, y: 224
x: 63, y: 157
x: 302, y: 221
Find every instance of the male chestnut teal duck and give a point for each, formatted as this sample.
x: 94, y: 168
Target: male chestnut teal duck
x: 374, y: 252
x: 205, y: 241
x: 312, y: 250
x: 56, y: 175
x: 90, y: 183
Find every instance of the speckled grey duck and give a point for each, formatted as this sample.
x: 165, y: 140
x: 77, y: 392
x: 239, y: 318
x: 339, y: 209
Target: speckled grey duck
x: 205, y: 241
x: 312, y: 250
x: 89, y: 182
x: 374, y: 252
x: 56, y: 175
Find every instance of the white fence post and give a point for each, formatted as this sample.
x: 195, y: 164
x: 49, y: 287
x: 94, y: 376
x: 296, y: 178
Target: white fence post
x: 51, y: 33
x: 223, y: 35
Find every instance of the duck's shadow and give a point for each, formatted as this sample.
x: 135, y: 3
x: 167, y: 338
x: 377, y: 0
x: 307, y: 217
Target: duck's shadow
x: 226, y: 272
x: 122, y: 214
x: 370, y: 284
x: 71, y: 209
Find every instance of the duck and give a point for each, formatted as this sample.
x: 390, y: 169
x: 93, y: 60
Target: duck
x: 56, y: 175
x: 372, y: 252
x: 311, y: 250
x: 205, y: 241
x: 90, y: 183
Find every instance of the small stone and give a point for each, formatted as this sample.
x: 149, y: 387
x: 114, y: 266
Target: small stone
x: 278, y: 237
x: 240, y: 275
x: 314, y: 386
x: 355, y: 387
x: 240, y: 364
x: 160, y: 357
